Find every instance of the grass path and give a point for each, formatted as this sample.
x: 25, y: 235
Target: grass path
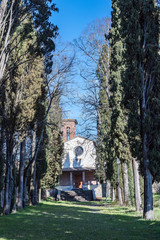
x: 67, y: 221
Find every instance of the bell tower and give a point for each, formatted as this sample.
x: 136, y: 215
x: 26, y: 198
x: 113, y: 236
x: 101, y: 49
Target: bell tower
x: 69, y: 129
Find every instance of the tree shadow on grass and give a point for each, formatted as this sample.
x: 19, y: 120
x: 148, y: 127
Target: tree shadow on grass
x: 61, y: 221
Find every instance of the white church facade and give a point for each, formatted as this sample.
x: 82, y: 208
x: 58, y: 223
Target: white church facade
x: 79, y: 160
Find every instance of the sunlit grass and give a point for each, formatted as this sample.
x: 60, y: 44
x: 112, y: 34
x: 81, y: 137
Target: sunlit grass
x: 79, y: 221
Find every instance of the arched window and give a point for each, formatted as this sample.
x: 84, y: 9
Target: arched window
x: 68, y: 133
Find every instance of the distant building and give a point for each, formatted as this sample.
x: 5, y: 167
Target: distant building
x: 78, y: 167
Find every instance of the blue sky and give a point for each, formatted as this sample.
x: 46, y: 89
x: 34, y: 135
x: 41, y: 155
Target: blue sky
x: 72, y: 19
x: 74, y: 15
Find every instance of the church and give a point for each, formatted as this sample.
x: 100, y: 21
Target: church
x: 78, y: 164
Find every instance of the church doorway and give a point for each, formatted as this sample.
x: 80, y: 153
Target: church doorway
x: 78, y: 180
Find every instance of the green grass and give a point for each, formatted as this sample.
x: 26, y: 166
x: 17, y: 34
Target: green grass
x: 74, y: 221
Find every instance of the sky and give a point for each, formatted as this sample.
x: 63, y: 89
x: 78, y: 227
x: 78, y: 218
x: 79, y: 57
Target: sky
x: 75, y: 15
x: 72, y: 19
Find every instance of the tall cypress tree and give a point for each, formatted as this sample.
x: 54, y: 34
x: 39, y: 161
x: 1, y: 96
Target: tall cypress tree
x: 23, y: 91
x: 54, y: 146
x: 104, y: 117
x: 140, y: 31
x: 119, y: 131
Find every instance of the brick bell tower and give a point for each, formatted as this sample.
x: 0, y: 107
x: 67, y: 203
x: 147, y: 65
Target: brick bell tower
x: 69, y: 129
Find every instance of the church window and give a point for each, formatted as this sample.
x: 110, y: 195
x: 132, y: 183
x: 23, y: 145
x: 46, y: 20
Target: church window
x: 79, y: 151
x: 68, y: 133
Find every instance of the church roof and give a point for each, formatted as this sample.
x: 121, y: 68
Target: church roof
x: 77, y: 169
x: 78, y: 136
x: 70, y: 120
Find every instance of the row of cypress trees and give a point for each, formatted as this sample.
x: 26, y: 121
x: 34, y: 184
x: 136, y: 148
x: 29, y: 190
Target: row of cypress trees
x: 129, y: 124
x: 24, y: 103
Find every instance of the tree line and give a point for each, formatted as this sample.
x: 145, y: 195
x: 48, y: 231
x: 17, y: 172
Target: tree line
x: 30, y: 91
x: 122, y: 74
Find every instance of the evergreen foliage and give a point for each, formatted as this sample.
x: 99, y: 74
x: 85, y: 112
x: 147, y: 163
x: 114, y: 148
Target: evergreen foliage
x: 142, y: 61
x: 13, y: 14
x: 54, y: 146
x: 119, y: 114
x: 104, y: 118
x: 119, y: 117
x: 23, y: 98
x: 46, y: 32
x: 140, y: 31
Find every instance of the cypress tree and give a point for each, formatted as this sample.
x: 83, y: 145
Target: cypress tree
x: 12, y: 15
x: 140, y: 31
x: 22, y: 81
x: 104, y: 115
x: 119, y: 118
x: 54, y: 146
x: 22, y: 93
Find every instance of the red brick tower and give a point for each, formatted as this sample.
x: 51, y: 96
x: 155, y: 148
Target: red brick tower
x: 69, y: 129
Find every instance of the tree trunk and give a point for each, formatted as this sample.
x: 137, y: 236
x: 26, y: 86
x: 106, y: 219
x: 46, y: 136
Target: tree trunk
x: 108, y: 189
x: 125, y: 183
x: 39, y: 194
x: 2, y: 157
x: 6, y: 207
x: 138, y: 200
x: 36, y: 192
x: 120, y: 196
x: 33, y: 196
x: 148, y: 196
x: 8, y: 186
x: 2, y: 198
x: 8, y: 176
x: 21, y: 175
x: 25, y: 186
x: 33, y: 184
x: 14, y: 200
x: 28, y: 167
x: 113, y: 194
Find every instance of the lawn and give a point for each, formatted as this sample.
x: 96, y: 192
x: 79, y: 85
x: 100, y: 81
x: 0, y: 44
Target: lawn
x: 74, y: 221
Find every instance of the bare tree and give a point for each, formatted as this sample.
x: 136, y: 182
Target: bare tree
x: 94, y: 51
x: 56, y: 83
x: 90, y: 45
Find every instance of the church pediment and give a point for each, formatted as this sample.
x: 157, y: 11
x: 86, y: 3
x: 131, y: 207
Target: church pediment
x: 79, y: 152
